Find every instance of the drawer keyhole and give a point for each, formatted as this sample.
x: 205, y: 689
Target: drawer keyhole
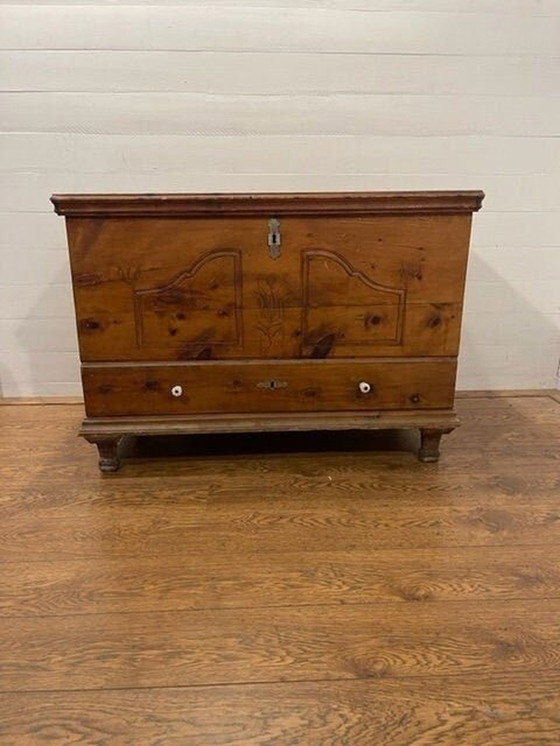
x: 272, y: 385
x: 177, y: 391
x: 274, y: 238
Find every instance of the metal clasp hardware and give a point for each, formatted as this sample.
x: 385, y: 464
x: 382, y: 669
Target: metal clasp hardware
x: 274, y: 238
x: 272, y: 385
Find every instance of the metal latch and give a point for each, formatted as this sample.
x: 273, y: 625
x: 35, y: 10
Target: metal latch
x: 274, y: 238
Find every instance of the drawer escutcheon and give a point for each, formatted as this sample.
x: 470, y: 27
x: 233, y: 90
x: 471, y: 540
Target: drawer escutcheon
x: 272, y: 385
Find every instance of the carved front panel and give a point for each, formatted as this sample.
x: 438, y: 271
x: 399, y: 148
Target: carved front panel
x: 343, y: 306
x: 381, y: 286
x: 198, y: 310
x: 214, y: 288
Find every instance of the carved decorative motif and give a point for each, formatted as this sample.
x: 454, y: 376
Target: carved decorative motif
x: 271, y: 312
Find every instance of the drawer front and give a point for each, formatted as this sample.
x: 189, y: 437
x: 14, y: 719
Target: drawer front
x: 306, y: 386
x: 214, y: 289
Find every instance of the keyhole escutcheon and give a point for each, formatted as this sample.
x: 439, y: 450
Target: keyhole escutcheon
x: 274, y: 238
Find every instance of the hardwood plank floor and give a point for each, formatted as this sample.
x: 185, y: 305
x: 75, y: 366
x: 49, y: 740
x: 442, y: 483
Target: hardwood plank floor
x: 297, y: 589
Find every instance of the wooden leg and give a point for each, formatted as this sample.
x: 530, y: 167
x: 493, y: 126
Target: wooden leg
x: 108, y: 452
x: 429, y: 448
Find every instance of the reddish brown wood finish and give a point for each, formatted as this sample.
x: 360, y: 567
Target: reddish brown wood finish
x: 162, y: 280
x: 207, y: 288
x: 319, y: 386
x: 337, y: 203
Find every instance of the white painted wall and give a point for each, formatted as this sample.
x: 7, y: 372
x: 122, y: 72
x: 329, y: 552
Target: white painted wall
x: 280, y: 95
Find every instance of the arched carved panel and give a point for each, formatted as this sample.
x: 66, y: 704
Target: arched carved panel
x: 343, y: 306
x: 199, y: 307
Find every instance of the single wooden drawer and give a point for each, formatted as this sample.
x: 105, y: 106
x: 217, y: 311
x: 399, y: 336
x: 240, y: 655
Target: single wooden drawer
x: 289, y: 386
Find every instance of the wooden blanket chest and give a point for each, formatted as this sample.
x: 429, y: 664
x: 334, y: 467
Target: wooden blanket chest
x: 243, y: 312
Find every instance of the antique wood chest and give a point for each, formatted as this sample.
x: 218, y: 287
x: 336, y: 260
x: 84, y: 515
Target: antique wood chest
x: 243, y: 312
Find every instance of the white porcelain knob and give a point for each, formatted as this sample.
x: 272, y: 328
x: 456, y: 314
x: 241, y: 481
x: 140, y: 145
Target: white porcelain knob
x: 177, y: 391
x: 364, y: 387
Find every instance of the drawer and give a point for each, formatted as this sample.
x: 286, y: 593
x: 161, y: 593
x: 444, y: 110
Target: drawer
x: 255, y: 387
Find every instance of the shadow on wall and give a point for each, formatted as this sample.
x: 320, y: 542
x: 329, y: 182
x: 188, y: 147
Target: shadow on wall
x: 509, y: 341
x: 46, y: 360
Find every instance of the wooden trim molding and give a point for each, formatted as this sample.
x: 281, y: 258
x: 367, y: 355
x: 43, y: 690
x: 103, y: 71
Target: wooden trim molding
x: 483, y: 394
x: 21, y: 401
x: 508, y: 394
x: 311, y: 203
x: 196, y: 424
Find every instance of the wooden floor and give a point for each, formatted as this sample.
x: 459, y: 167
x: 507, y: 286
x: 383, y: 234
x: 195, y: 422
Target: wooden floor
x: 287, y: 590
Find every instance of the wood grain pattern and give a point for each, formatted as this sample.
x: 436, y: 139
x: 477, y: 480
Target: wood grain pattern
x: 201, y: 288
x: 500, y: 710
x: 260, y: 277
x: 119, y: 585
x: 161, y: 649
x: 71, y: 531
x: 298, y: 590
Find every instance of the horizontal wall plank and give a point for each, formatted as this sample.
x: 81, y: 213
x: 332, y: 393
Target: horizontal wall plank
x: 270, y: 73
x: 510, y: 355
x: 168, y: 114
x: 515, y: 229
x: 32, y: 232
x: 35, y: 300
x: 527, y: 350
x: 39, y: 386
x: 33, y: 266
x: 38, y: 335
x: 541, y: 296
x: 53, y: 366
x: 113, y: 155
x: 513, y: 264
x: 257, y: 29
x: 514, y: 7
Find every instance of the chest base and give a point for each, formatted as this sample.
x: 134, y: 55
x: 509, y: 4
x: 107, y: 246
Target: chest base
x: 107, y: 432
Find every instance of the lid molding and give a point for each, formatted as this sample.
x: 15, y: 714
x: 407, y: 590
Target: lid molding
x: 303, y: 203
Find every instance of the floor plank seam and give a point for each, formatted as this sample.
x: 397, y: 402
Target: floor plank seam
x: 279, y: 551
x: 375, y: 679
x: 334, y: 605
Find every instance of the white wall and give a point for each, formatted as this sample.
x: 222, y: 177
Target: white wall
x: 251, y: 95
